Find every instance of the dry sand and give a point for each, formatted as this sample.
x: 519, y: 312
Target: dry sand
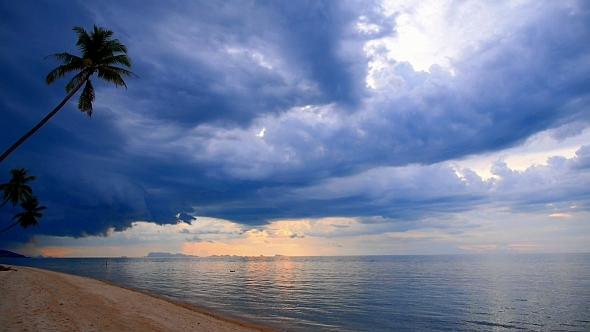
x: 39, y: 300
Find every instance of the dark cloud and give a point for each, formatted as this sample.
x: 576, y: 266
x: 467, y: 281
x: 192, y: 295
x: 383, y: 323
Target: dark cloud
x: 570, y: 130
x: 185, y: 217
x: 182, y: 140
x: 582, y: 160
x: 194, y: 239
x: 230, y: 63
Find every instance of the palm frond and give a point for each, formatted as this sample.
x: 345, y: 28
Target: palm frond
x: 105, y: 33
x: 77, y: 79
x: 65, y: 57
x: 22, y: 175
x: 26, y: 219
x: 86, y: 98
x: 101, y: 44
x: 113, y: 75
x: 79, y: 30
x: 16, y: 189
x: 120, y: 59
x: 25, y: 190
x: 31, y: 212
x: 59, y: 72
x: 113, y: 78
x: 115, y: 46
x: 84, y: 40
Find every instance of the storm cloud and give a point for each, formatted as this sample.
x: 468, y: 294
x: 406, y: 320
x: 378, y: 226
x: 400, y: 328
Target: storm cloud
x: 255, y: 111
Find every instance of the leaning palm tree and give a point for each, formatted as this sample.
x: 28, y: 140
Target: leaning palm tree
x: 99, y: 54
x: 16, y: 189
x: 30, y: 214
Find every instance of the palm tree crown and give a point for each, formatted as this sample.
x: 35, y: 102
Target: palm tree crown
x: 31, y: 212
x: 16, y: 189
x: 99, y: 54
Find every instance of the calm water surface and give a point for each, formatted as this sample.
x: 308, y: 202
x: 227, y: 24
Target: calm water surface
x: 545, y: 292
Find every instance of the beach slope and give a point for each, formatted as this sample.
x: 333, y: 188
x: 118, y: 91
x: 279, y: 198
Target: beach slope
x: 39, y: 300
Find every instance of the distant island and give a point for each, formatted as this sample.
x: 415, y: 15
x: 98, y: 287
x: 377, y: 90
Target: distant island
x: 6, y: 253
x: 167, y: 254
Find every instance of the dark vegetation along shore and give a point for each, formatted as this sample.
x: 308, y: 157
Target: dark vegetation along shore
x: 10, y: 254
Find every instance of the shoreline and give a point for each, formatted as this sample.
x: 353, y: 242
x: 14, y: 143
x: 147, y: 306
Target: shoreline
x: 29, y: 304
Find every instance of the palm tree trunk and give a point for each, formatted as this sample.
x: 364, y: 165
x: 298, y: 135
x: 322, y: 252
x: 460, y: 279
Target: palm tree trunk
x: 45, y: 119
x: 9, y: 227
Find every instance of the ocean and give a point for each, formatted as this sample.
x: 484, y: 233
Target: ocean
x: 524, y: 292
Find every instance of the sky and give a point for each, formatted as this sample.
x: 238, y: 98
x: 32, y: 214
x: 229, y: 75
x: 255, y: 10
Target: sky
x: 305, y: 128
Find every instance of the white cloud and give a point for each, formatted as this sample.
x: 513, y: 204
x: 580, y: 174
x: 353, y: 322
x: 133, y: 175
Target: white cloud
x: 536, y: 150
x: 436, y: 32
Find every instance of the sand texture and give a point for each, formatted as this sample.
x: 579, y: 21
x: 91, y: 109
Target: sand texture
x: 39, y: 300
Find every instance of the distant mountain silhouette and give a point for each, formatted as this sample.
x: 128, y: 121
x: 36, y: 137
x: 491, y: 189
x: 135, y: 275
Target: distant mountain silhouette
x: 6, y: 253
x: 167, y: 254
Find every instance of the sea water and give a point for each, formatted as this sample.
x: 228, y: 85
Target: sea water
x: 525, y: 292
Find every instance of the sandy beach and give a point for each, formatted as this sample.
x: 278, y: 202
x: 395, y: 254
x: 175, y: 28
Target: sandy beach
x: 40, y: 300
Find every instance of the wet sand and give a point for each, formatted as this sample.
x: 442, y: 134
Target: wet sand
x: 39, y: 300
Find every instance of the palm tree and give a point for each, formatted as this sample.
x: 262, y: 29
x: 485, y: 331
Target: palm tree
x: 99, y: 54
x: 30, y: 214
x: 16, y: 189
